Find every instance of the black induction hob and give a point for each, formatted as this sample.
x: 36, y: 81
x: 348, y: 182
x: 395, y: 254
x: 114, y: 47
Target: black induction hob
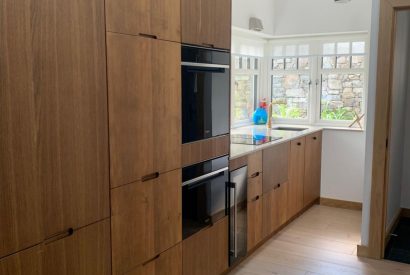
x: 252, y: 139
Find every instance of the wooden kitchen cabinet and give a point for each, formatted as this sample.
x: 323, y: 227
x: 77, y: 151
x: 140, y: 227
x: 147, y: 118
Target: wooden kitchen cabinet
x: 144, y: 77
x: 26, y: 262
x: 254, y: 163
x: 206, y: 252
x: 206, y: 23
x: 169, y: 262
x: 275, y: 208
x: 254, y: 232
x: 296, y: 176
x: 86, y: 251
x: 275, y: 165
x: 53, y: 120
x: 313, y: 161
x: 157, y: 18
x: 146, y: 220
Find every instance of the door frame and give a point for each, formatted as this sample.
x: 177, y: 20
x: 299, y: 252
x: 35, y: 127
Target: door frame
x: 380, y: 169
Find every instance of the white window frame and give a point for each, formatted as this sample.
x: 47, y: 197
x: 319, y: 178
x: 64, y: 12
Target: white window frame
x: 257, y: 94
x: 316, y: 44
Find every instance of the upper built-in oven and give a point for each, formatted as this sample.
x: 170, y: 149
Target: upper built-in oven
x: 205, y: 93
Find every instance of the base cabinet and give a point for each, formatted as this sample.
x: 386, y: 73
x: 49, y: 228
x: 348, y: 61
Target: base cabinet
x: 275, y: 208
x: 296, y: 176
x: 254, y: 232
x: 313, y: 162
x: 146, y: 220
x: 169, y: 263
x: 206, y: 253
x: 86, y: 251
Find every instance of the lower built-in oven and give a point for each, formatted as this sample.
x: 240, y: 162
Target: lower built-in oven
x: 204, y: 194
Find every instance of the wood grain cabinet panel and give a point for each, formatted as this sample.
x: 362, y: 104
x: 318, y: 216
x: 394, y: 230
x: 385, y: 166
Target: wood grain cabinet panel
x: 206, y: 23
x: 296, y: 176
x: 255, y: 163
x: 254, y: 187
x: 275, y: 208
x: 86, y: 251
x: 160, y: 18
x: 275, y: 165
x: 206, y: 252
x: 146, y: 220
x: 26, y: 262
x: 169, y: 262
x: 255, y: 233
x: 53, y: 119
x: 313, y: 161
x: 73, y: 130
x: 145, y: 107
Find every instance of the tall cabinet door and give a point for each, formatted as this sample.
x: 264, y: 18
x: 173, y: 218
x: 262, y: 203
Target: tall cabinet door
x: 144, y: 77
x: 275, y: 166
x: 20, y: 187
x: 146, y: 220
x: 160, y: 18
x: 313, y: 161
x: 296, y: 176
x: 206, y: 23
x: 72, y: 102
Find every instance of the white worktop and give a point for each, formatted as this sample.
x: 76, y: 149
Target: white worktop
x: 239, y: 150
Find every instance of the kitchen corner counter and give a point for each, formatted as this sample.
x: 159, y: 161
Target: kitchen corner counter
x: 240, y: 150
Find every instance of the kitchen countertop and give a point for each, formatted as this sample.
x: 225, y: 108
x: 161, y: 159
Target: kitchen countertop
x: 239, y: 150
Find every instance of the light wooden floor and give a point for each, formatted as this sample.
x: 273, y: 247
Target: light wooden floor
x: 321, y: 241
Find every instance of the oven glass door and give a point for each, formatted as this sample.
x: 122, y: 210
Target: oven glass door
x: 204, y: 197
x: 205, y: 101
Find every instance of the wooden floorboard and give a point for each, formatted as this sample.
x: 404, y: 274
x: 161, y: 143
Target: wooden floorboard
x: 323, y: 241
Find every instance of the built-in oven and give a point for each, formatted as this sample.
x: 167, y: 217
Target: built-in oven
x: 204, y: 194
x: 205, y: 93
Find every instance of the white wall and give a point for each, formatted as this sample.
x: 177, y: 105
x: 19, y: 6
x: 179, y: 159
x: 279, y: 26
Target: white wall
x: 397, y: 140
x: 342, y: 165
x: 320, y: 16
x: 371, y: 103
x: 242, y: 10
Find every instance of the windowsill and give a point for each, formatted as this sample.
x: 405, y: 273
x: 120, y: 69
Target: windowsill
x: 324, y: 127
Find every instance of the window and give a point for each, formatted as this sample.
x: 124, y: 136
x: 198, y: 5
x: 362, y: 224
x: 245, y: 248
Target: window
x: 319, y: 81
x: 290, y: 82
x: 245, y: 83
x: 342, y: 75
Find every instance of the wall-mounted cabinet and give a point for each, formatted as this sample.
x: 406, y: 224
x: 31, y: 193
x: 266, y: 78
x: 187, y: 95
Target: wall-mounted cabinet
x: 313, y: 161
x: 146, y: 220
x: 296, y: 176
x: 155, y: 18
x: 206, y: 23
x: 144, y: 87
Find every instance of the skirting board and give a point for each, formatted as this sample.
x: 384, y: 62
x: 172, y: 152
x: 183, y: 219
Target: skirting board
x: 341, y: 204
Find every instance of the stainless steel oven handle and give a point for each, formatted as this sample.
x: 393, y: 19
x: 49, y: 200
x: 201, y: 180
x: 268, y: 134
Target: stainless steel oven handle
x: 204, y: 65
x: 204, y: 176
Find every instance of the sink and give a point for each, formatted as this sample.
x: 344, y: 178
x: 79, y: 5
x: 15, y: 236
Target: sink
x: 280, y: 128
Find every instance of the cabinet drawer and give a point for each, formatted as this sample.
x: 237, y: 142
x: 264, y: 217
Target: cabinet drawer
x: 254, y: 186
x: 275, y: 165
x: 254, y: 163
x: 169, y: 262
